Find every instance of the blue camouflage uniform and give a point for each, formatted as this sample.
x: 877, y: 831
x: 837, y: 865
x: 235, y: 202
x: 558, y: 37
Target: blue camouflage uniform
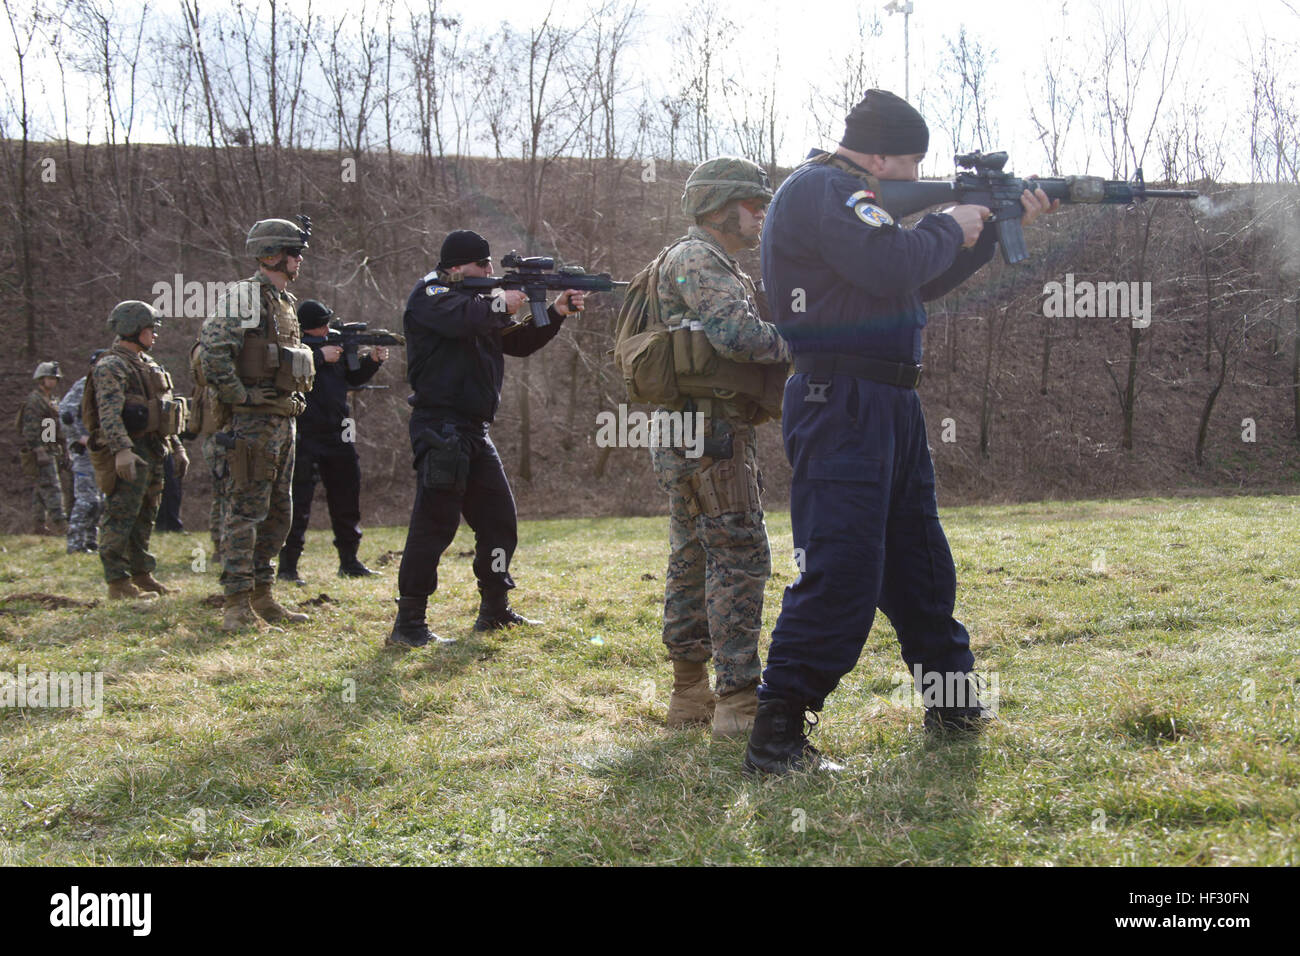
x: 88, y: 501
x: 847, y: 286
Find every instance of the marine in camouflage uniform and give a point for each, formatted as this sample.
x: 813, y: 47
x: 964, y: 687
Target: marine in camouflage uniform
x: 125, y: 382
x: 87, y: 499
x: 252, y: 455
x: 719, y: 558
x: 43, y: 449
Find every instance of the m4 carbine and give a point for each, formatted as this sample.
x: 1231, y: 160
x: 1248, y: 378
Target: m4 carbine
x: 350, y: 336
x: 982, y: 182
x: 536, y: 276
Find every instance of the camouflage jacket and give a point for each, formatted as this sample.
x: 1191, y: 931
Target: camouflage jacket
x: 114, y: 383
x: 222, y: 338
x: 36, y: 411
x: 697, y: 289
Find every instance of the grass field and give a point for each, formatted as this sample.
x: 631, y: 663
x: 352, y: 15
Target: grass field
x: 1146, y: 656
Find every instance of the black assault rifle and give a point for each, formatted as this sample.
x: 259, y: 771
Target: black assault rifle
x: 987, y: 185
x: 350, y: 336
x: 536, y: 276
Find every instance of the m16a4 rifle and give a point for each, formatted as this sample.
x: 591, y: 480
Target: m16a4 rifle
x: 981, y: 181
x: 350, y: 336
x: 536, y: 276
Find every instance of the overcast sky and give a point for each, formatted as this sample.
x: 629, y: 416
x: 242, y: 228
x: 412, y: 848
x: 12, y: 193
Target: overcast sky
x: 811, y: 38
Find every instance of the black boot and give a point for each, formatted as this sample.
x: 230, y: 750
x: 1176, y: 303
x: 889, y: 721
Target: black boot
x: 350, y: 566
x: 289, y: 569
x: 409, y: 630
x: 967, y: 715
x: 779, y: 743
x: 495, y: 612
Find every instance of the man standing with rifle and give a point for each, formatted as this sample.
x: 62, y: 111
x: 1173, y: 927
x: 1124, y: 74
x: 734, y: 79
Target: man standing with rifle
x: 847, y: 286
x: 327, y: 446
x: 455, y: 343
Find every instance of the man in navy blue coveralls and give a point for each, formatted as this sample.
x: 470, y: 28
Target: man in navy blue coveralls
x: 846, y: 286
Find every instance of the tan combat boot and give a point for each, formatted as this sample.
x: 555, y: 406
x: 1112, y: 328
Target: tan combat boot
x: 238, y: 613
x: 269, y: 610
x: 692, y: 700
x: 146, y: 582
x: 734, y: 714
x: 122, y: 589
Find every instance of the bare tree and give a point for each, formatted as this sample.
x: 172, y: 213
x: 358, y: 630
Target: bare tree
x: 23, y: 29
x: 855, y: 72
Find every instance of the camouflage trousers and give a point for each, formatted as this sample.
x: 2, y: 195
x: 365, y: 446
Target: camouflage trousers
x: 47, y: 496
x: 87, y: 507
x: 718, y: 563
x: 215, y: 512
x: 256, y: 504
x: 129, y: 514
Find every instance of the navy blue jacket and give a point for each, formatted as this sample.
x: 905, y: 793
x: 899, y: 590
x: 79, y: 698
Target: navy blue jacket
x: 862, y: 284
x: 454, y: 348
x: 321, y: 425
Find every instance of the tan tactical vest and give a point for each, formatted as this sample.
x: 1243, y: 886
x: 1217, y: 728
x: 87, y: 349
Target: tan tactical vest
x: 753, y: 389
x: 148, y: 387
x: 273, y: 351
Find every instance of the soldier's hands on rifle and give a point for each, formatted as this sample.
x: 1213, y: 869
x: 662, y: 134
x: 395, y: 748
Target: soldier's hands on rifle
x: 180, y: 462
x: 570, y: 300
x: 331, y: 353
x: 258, y: 394
x: 971, y: 219
x: 510, y: 301
x: 1035, y: 204
x: 379, y: 353
x: 124, y: 463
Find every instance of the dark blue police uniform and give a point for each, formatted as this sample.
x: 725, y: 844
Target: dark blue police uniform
x: 455, y: 343
x: 323, y: 454
x: 846, y: 286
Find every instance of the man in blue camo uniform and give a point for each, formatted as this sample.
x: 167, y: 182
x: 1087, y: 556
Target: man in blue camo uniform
x: 847, y: 285
x: 257, y: 372
x: 87, y: 500
x: 132, y: 398
x: 719, y: 559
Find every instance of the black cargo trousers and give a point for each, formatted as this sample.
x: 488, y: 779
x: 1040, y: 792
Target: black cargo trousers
x: 458, y: 472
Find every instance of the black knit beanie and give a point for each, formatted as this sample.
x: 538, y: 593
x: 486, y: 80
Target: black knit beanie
x: 886, y: 125
x: 461, y: 247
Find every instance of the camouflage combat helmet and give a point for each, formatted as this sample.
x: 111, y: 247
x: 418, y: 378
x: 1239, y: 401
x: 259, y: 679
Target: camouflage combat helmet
x: 129, y: 318
x: 716, y: 182
x: 47, y: 368
x: 269, y: 236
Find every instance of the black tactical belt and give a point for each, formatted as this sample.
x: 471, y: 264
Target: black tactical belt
x: 822, y: 365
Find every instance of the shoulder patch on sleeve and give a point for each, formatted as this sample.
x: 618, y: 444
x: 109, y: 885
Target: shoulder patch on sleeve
x: 859, y: 196
x: 872, y: 216
x: 435, y: 289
